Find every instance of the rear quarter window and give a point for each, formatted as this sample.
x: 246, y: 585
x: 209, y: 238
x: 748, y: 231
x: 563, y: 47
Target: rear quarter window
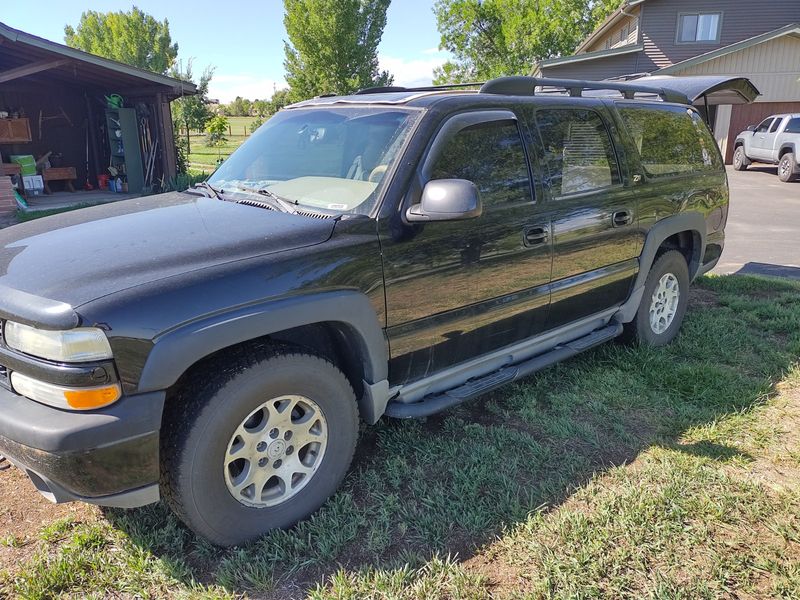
x: 578, y: 151
x: 671, y: 140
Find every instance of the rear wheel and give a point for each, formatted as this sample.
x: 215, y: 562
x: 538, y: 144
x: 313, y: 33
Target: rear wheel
x: 258, y: 446
x: 663, y: 305
x: 787, y: 168
x: 740, y: 160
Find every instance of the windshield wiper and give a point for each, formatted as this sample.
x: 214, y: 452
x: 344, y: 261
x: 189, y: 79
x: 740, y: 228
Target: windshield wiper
x: 207, y: 186
x: 277, y: 202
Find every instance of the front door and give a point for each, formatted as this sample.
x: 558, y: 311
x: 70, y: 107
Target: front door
x: 596, y: 238
x: 457, y: 290
x: 761, y: 144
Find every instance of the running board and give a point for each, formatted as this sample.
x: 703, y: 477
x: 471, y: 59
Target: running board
x: 477, y: 387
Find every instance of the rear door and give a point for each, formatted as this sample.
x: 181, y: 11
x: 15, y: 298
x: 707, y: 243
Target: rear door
x: 457, y: 290
x: 596, y: 241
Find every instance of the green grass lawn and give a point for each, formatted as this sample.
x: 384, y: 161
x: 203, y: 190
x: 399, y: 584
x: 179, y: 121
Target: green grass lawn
x: 623, y: 473
x: 204, y: 158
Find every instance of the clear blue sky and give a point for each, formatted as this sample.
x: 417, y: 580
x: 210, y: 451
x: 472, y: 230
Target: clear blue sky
x: 244, y: 40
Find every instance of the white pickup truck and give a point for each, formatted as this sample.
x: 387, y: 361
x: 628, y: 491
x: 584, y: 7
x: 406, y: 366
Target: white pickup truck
x: 775, y: 141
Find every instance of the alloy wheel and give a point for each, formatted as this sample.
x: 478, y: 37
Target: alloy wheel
x: 275, y: 451
x: 664, y: 303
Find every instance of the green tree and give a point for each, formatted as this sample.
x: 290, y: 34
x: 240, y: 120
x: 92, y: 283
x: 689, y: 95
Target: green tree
x: 333, y: 46
x: 191, y: 112
x: 261, y: 108
x: 239, y: 107
x: 134, y: 38
x: 279, y: 99
x: 216, y: 129
x: 492, y: 38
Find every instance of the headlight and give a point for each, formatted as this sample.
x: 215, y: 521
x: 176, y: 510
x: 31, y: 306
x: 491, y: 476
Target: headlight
x: 74, y: 345
x: 65, y: 397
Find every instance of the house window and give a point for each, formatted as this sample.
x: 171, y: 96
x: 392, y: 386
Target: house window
x: 703, y: 27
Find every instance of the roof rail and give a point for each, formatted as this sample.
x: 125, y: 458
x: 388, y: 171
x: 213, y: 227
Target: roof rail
x: 427, y: 88
x: 526, y: 86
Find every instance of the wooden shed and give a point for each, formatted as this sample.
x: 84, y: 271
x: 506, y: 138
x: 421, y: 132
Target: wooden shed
x: 78, y: 114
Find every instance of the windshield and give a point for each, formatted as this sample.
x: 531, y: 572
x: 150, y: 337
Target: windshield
x: 328, y: 158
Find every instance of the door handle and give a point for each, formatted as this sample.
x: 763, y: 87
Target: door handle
x: 621, y: 218
x: 535, y: 236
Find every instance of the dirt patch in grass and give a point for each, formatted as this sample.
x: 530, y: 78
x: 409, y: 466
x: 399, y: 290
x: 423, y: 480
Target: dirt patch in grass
x: 700, y: 297
x: 23, y: 513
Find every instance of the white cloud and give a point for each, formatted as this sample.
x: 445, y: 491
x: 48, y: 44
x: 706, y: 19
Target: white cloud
x: 415, y: 71
x: 407, y: 72
x: 226, y: 87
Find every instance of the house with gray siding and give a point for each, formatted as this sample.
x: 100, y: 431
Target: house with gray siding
x: 757, y: 40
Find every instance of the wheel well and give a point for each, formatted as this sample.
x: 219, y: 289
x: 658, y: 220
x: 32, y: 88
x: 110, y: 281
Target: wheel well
x: 738, y: 143
x: 785, y: 150
x: 688, y: 244
x: 331, y: 340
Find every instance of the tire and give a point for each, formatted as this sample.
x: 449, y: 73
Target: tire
x: 740, y: 160
x: 669, y: 268
x: 206, y: 425
x: 787, y: 168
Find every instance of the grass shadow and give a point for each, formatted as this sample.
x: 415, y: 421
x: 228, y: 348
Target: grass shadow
x: 444, y: 486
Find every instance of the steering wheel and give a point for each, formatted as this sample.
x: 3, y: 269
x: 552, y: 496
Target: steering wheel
x: 376, y: 173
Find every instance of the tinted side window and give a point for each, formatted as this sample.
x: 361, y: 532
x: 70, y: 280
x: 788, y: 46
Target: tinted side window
x: 793, y: 126
x: 764, y: 126
x: 491, y: 156
x: 578, y: 151
x: 775, y: 125
x: 670, y: 139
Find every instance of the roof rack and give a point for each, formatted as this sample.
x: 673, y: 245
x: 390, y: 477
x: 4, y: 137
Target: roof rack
x: 526, y: 86
x: 427, y: 88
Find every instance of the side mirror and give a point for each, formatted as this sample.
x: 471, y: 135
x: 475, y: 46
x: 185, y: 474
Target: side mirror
x: 447, y: 200
x: 750, y: 128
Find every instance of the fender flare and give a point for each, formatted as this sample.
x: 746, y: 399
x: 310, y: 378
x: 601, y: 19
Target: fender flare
x: 792, y: 148
x: 691, y: 221
x: 175, y: 350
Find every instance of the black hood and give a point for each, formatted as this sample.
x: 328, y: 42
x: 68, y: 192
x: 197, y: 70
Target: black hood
x: 80, y: 256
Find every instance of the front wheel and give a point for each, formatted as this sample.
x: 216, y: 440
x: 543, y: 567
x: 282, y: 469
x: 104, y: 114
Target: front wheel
x: 259, y: 445
x: 663, y: 305
x: 787, y: 168
x: 740, y: 161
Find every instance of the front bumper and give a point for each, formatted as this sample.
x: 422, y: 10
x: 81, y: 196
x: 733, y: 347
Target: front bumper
x: 108, y: 457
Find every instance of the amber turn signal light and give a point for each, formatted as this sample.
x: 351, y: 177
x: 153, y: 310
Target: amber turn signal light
x: 92, y: 398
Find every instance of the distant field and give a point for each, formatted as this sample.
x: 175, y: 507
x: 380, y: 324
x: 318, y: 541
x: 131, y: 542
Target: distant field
x: 204, y: 158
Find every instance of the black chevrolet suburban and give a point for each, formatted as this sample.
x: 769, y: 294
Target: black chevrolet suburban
x: 391, y: 253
